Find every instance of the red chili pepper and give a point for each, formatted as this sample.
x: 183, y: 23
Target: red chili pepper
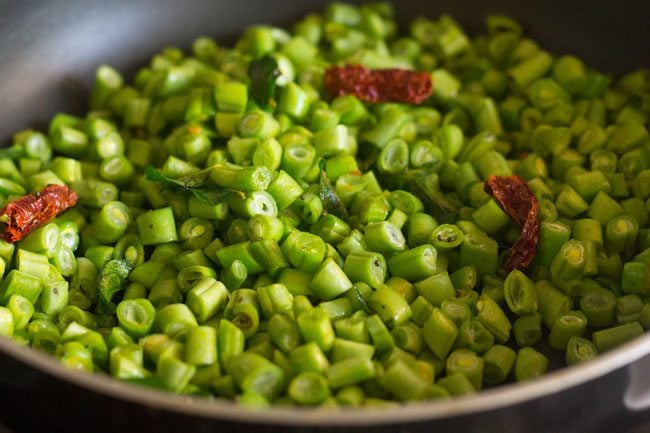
x: 381, y: 85
x: 517, y: 200
x: 35, y: 210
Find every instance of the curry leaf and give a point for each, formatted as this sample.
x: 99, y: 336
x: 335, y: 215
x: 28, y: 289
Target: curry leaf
x: 263, y: 72
x: 424, y: 184
x: 360, y: 299
x: 112, y: 280
x: 214, y: 196
x: 190, y: 181
x: 194, y: 183
x: 13, y: 152
x: 331, y: 202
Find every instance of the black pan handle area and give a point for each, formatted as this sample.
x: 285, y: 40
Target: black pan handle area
x: 49, y: 49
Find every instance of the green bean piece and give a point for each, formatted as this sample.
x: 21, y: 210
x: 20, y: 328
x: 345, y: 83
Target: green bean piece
x: 304, y: 250
x: 136, y: 316
x: 490, y: 217
x: 262, y: 226
x: 408, y: 338
x: 42, y: 240
x: 603, y: 208
x: 21, y: 311
x: 447, y: 236
x: 268, y: 254
x: 566, y: 326
x: 551, y: 302
x: 528, y: 330
x: 530, y: 364
x: 456, y: 310
x: 579, y: 350
x: 439, y: 333
x: 404, y: 383
x: 436, y: 288
x: 44, y: 334
x: 457, y: 384
x: 201, y: 346
x: 129, y: 248
x: 258, y: 124
x: 315, y: 326
x: 635, y: 278
x: 54, y: 297
x: 308, y: 357
x: 644, y: 316
x: 473, y: 335
x: 309, y: 388
x: 230, y: 342
x: 498, y: 361
x: 21, y: 283
x: 247, y: 318
x: 379, y: 335
x: 531, y: 69
x: 621, y: 233
x: 34, y: 264
x: 493, y: 318
x: 414, y: 264
x: 390, y: 306
x: 628, y: 308
x: 283, y: 332
x: 520, y: 293
x: 479, y: 251
x: 384, y: 237
x: 552, y: 235
x: 171, y: 319
x: 464, y: 279
x: 74, y: 354
x: 238, y: 297
x: 235, y: 275
x: 196, y: 233
x: 190, y: 275
x: 253, y: 178
x: 367, y: 267
x: 419, y: 229
x: 351, y: 396
x: 231, y: 97
x: 468, y: 363
x: 330, y: 280
x: 350, y: 371
x: 569, y: 203
x: 274, y: 299
x: 569, y: 262
x: 609, y: 338
x: 344, y: 349
x: 157, y: 226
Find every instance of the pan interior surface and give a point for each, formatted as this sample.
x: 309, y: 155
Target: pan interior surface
x: 500, y: 397
x: 51, y: 49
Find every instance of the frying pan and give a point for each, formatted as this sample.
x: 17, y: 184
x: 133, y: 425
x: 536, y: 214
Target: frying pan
x: 48, y: 53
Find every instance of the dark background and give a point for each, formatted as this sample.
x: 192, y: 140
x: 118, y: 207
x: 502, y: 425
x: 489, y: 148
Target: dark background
x: 50, y: 49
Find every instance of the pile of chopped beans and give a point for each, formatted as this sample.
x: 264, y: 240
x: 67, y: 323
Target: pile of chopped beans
x: 334, y: 215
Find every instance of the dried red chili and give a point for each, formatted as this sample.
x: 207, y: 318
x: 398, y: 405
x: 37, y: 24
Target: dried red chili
x: 33, y: 211
x: 517, y: 200
x: 381, y: 85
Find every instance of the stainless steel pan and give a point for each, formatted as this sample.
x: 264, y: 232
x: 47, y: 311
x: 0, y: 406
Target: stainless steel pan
x: 48, y: 52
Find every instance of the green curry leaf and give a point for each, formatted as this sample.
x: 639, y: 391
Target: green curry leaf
x: 195, y: 184
x: 112, y: 280
x: 263, y: 72
x: 331, y: 202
